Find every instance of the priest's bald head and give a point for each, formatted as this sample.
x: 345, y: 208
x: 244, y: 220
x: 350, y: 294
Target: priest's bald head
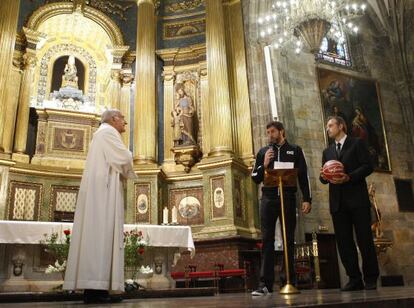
x: 115, y: 118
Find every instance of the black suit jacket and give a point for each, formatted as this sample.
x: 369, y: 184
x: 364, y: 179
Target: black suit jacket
x: 357, y: 163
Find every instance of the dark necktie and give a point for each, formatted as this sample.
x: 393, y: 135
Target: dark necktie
x: 338, y: 149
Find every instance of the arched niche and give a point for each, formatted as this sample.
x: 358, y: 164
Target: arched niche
x: 46, y: 70
x: 58, y: 68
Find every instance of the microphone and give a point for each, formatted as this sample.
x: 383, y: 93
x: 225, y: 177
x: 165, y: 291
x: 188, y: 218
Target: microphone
x: 272, y: 145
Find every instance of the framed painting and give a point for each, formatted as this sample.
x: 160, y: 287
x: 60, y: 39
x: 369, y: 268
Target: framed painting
x: 357, y: 101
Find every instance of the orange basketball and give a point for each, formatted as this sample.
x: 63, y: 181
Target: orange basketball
x: 333, y: 169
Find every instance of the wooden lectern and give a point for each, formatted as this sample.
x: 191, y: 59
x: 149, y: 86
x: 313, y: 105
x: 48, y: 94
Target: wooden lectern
x: 279, y: 178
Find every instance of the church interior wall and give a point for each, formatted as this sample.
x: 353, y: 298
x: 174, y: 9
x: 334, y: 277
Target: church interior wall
x: 299, y: 102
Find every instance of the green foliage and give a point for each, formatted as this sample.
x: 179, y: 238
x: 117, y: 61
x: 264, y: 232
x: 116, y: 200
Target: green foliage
x: 57, y: 246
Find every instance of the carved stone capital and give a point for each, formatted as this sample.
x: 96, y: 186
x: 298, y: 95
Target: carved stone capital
x: 126, y: 78
x: 29, y: 60
x: 168, y: 74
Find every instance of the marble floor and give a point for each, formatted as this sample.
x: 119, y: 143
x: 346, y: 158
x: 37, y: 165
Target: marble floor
x: 394, y: 297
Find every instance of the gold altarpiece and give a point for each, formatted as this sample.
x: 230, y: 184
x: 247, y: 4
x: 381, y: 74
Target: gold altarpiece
x: 208, y: 148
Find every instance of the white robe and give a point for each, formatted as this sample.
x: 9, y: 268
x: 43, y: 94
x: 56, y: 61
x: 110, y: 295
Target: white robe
x: 96, y: 253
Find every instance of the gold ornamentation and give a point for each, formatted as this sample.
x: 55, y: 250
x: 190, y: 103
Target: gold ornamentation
x: 142, y: 202
x: 24, y: 200
x: 189, y: 202
x: 181, y: 56
x: 155, y: 3
x: 218, y: 199
x: 68, y: 139
x: 77, y: 51
x: 33, y: 37
x: 187, y: 156
x: 176, y: 30
x: 183, y: 6
x: 53, y: 9
x: 117, y: 9
x: 381, y: 243
x: 145, y: 99
x: 29, y: 61
x: 126, y: 78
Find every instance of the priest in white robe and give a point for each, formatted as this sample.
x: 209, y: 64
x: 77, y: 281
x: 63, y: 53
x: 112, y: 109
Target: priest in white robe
x: 96, y: 255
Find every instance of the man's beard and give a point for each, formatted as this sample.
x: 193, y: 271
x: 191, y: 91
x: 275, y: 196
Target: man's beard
x: 275, y: 140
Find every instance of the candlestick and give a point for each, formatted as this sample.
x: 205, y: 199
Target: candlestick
x: 174, y: 215
x: 165, y: 216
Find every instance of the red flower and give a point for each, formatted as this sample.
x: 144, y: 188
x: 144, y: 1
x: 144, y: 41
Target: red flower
x: 67, y: 232
x: 140, y: 233
x: 141, y: 250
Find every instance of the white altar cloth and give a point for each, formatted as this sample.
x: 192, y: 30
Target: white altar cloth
x: 31, y: 232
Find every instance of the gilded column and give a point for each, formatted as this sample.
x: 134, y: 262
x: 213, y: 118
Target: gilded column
x: 114, y: 88
x: 12, y: 101
x: 169, y: 78
x: 29, y: 63
x: 239, y: 87
x: 9, y: 13
x: 124, y: 103
x: 145, y: 129
x: 205, y: 117
x: 221, y: 142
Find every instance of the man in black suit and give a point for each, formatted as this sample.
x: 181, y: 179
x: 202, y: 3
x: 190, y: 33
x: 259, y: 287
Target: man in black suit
x: 350, y: 206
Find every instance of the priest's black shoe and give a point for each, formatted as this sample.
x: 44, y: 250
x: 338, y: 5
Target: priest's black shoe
x: 353, y: 285
x: 100, y: 297
x: 370, y: 285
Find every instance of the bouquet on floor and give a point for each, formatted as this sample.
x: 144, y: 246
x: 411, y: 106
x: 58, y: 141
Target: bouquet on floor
x: 134, y: 249
x: 58, y: 247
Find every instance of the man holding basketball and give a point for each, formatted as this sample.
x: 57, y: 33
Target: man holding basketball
x: 349, y: 204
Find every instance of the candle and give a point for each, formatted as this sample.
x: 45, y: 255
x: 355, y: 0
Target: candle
x: 165, y: 216
x: 174, y: 215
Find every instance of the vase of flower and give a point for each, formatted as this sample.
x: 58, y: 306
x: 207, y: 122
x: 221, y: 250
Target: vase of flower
x: 144, y: 276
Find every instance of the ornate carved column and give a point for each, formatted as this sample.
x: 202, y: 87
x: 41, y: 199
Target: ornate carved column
x: 127, y: 78
x: 219, y: 97
x: 11, y: 101
x: 114, y: 89
x: 169, y: 76
x: 125, y: 100
x: 29, y: 62
x: 145, y: 130
x: 239, y: 88
x: 9, y: 13
x: 205, y: 120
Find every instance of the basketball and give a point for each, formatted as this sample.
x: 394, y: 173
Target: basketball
x: 333, y: 170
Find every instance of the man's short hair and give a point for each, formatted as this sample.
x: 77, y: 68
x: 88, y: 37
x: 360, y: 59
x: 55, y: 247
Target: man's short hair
x: 339, y: 120
x: 108, y: 114
x: 276, y: 124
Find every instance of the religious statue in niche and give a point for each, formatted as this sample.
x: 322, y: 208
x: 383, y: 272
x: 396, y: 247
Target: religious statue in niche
x: 70, y: 78
x: 69, y: 95
x: 184, y: 123
x: 183, y: 118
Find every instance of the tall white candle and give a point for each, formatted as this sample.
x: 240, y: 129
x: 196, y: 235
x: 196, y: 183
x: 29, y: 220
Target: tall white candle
x: 165, y: 216
x: 174, y: 215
